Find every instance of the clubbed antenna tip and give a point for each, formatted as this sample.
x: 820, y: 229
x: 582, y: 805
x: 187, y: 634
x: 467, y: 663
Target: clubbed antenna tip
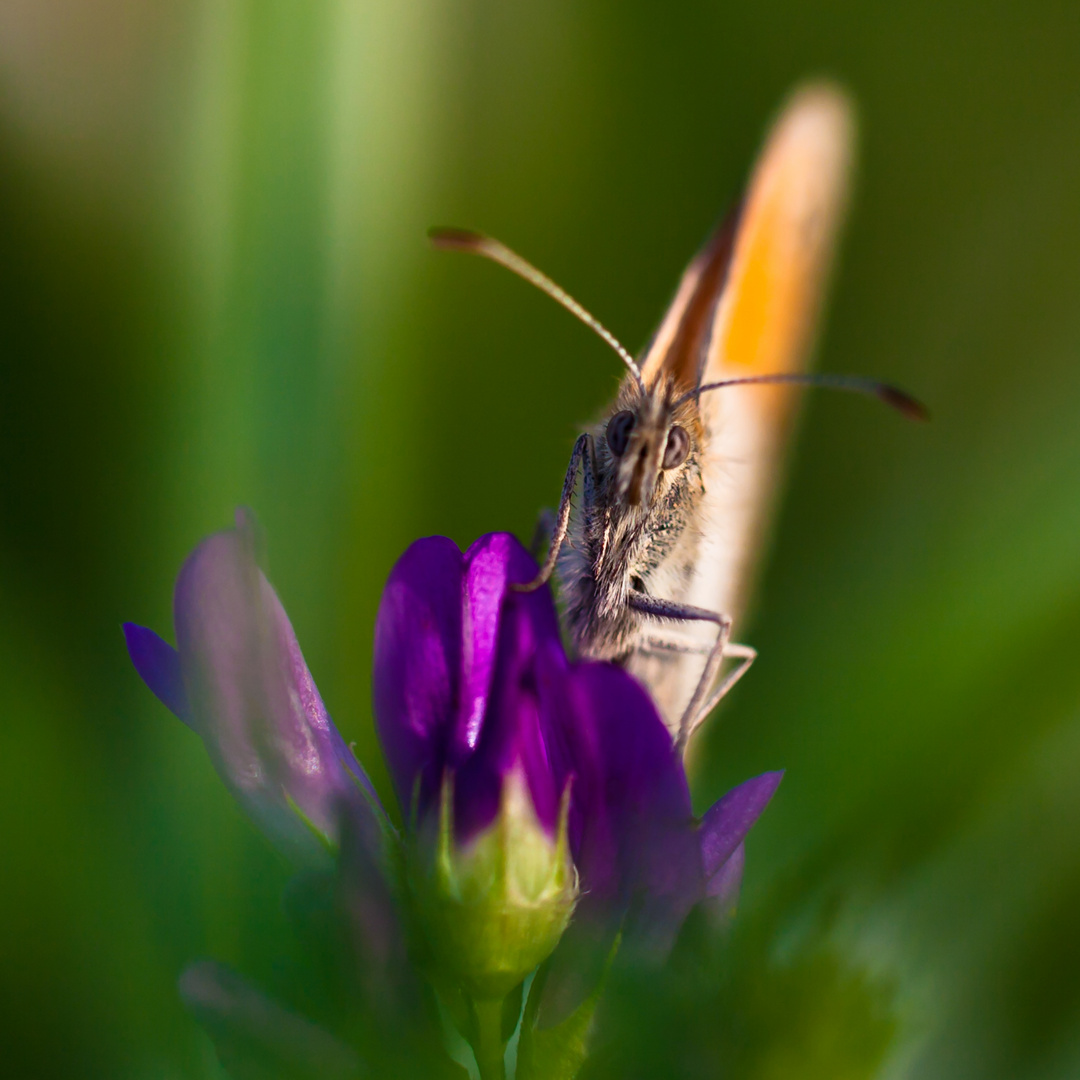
x: 455, y: 239
x: 904, y: 403
x: 893, y: 396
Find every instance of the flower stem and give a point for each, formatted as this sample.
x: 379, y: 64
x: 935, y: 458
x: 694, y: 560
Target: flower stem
x: 489, y: 1048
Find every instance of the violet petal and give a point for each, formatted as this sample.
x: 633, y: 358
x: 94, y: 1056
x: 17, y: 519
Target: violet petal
x: 639, y: 786
x: 437, y: 645
x: 371, y: 918
x: 158, y: 664
x: 631, y: 832
x: 723, y: 887
x: 416, y: 665
x: 726, y: 823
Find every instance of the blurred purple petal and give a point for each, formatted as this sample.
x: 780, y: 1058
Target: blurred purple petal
x: 725, y: 825
x: 253, y: 699
x: 723, y: 887
x: 158, y: 663
x: 254, y: 1036
x: 377, y: 953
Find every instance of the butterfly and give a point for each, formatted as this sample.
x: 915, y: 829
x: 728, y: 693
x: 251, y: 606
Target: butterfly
x: 677, y: 480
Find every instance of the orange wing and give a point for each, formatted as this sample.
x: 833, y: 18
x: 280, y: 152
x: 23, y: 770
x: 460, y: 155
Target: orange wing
x: 764, y: 324
x: 679, y: 347
x: 747, y: 305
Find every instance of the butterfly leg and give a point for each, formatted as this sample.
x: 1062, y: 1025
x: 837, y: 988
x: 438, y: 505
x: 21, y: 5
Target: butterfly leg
x: 562, y: 518
x: 702, y: 702
x: 747, y: 655
x: 654, y: 643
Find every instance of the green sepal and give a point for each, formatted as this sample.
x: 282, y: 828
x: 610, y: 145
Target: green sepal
x: 495, y: 909
x: 557, y: 1053
x: 328, y: 845
x: 391, y: 839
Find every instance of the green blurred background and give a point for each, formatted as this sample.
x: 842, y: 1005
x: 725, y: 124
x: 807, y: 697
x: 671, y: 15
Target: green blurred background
x: 215, y: 289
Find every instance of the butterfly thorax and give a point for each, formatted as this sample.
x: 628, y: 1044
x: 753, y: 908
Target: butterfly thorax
x: 635, y: 529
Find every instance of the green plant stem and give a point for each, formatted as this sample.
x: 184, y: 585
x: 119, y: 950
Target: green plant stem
x: 489, y: 1048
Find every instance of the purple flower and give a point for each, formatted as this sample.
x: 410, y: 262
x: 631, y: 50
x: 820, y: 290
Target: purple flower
x: 238, y: 678
x: 545, y: 807
x: 474, y: 696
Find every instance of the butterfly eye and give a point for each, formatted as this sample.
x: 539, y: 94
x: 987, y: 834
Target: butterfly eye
x: 678, y: 446
x: 618, y: 432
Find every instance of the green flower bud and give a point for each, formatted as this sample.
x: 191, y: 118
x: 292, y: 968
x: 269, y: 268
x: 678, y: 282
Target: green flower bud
x: 495, y: 907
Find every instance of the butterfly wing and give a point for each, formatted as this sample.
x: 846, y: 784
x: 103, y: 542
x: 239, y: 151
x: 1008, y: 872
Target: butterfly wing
x: 765, y: 324
x: 679, y: 348
x: 747, y: 305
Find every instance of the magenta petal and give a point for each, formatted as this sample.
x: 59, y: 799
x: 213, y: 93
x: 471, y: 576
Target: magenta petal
x: 417, y: 665
x: 492, y: 562
x: 486, y: 570
x: 438, y: 643
x: 158, y: 664
x: 725, y: 825
x: 514, y: 737
x: 253, y: 699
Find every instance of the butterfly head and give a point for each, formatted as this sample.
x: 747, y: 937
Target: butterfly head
x: 651, y: 440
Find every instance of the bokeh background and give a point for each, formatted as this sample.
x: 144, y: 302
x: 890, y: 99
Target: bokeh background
x: 215, y: 290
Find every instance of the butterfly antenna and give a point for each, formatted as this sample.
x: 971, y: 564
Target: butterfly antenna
x: 893, y: 396
x: 476, y: 244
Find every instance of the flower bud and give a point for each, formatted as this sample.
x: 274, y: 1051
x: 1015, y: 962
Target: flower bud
x: 238, y: 678
x: 494, y: 907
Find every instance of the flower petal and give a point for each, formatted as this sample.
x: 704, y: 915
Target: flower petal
x: 514, y: 737
x: 491, y: 563
x: 417, y: 666
x: 725, y: 825
x: 632, y: 833
x: 158, y: 664
x: 258, y: 1037
x: 638, y: 787
x: 437, y: 645
x: 723, y: 887
x: 254, y: 702
x: 371, y: 919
